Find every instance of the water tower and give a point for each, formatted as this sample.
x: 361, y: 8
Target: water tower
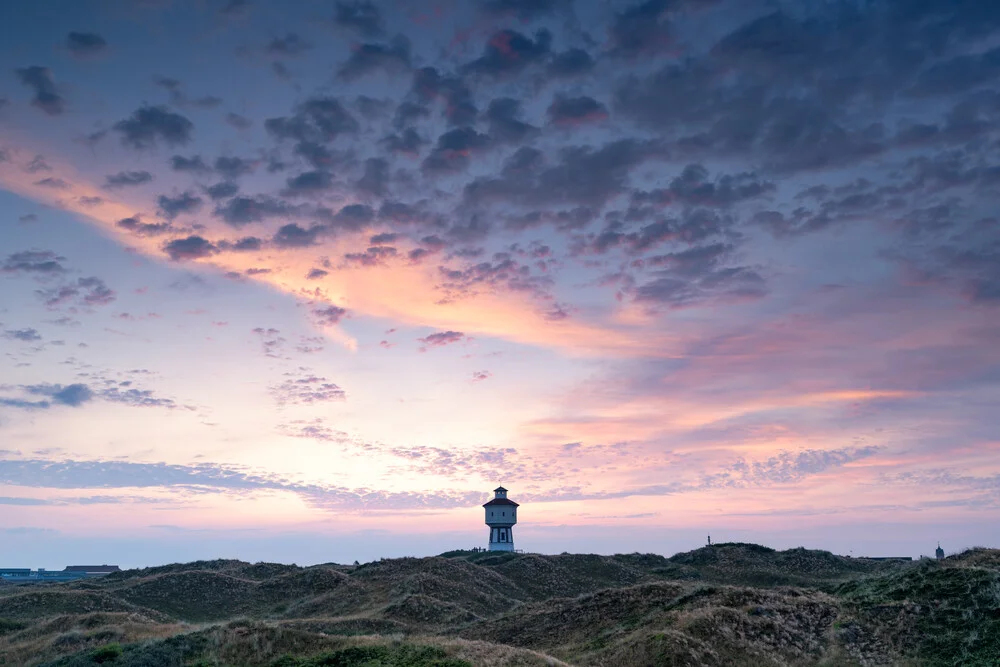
x: 501, y: 515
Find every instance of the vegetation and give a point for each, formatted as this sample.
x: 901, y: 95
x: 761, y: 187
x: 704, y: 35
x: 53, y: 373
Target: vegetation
x: 728, y: 604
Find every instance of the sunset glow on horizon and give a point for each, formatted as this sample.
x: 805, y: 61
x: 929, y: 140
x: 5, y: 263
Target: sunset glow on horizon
x: 305, y: 281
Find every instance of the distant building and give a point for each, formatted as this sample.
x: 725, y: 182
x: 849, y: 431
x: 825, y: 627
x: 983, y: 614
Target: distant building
x: 939, y: 552
x: 24, y: 575
x: 93, y: 569
x: 501, y: 515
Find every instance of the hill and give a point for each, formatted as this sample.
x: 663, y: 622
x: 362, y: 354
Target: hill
x: 728, y: 604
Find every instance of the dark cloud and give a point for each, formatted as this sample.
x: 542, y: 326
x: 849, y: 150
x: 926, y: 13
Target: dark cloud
x: 479, y: 376
x: 182, y: 204
x: 127, y: 178
x: 504, y: 116
x: 271, y: 341
x: 583, y: 175
x: 318, y: 120
x: 294, y: 236
x: 194, y: 164
x: 308, y: 183
x: 429, y: 85
x: 24, y: 335
x: 374, y: 256
x: 375, y: 180
x: 329, y: 315
x: 353, y: 217
x: 525, y: 10
x: 453, y: 150
x: 408, y: 113
x: 407, y: 143
x: 135, y: 225
x: 570, y: 63
x: 367, y: 58
x: 238, y: 121
x: 245, y: 244
x: 46, y: 97
x: 54, y: 183
x: 223, y: 190
x: 242, y: 210
x: 306, y: 389
x: 316, y: 274
x: 85, y: 292
x: 33, y: 261
x: 149, y: 125
x: 384, y: 238
x: 85, y: 43
x: 575, y: 110
x: 289, y: 45
x: 192, y: 247
x: 694, y: 188
x: 361, y: 16
x: 73, y: 395
x: 135, y: 398
x: 697, y: 275
x: 233, y: 167
x: 509, y: 52
x: 442, y: 338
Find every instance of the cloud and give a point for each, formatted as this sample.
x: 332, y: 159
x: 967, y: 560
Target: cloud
x: 294, y: 236
x: 217, y: 478
x: 233, y: 167
x: 23, y: 335
x: 135, y: 225
x: 306, y: 389
x: 504, y: 116
x: 192, y: 247
x: 238, y: 121
x: 329, y: 315
x: 367, y: 58
x: 149, y: 125
x: 576, y: 110
x: 171, y: 207
x: 479, y: 376
x: 54, y: 183
x: 223, y: 190
x: 361, y: 16
x: 453, y: 149
x: 375, y: 180
x: 525, y: 10
x: 46, y: 95
x: 509, y: 52
x: 570, y: 63
x: 271, y: 341
x: 194, y: 164
x: 85, y: 43
x: 318, y: 119
x: 85, y: 292
x: 442, y: 338
x: 289, y: 45
x: 308, y: 183
x: 429, y: 85
x: 33, y: 261
x: 73, y: 395
x: 127, y: 179
x: 243, y: 210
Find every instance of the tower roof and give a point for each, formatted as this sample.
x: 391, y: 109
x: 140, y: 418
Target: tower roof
x: 498, y: 489
x: 501, y: 501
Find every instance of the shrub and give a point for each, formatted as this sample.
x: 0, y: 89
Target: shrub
x: 106, y: 653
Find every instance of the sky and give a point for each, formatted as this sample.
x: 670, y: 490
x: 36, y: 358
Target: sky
x: 305, y: 281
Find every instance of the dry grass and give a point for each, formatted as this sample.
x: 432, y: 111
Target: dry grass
x: 731, y: 604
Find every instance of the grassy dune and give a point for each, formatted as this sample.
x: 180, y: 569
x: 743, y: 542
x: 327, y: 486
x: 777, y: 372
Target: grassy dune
x: 729, y: 604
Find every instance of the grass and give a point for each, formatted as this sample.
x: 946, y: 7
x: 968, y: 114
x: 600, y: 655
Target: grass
x: 728, y: 604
